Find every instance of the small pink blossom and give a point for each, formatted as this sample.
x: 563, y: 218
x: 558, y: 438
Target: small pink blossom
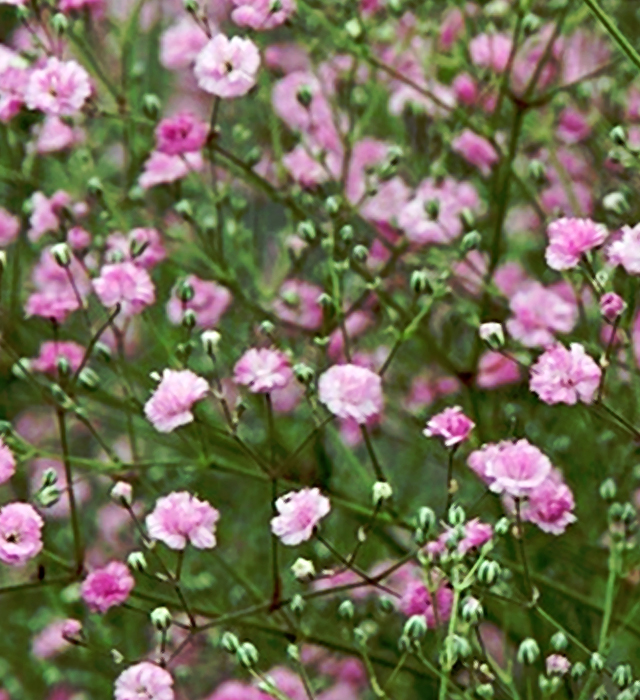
x: 126, y: 284
x: 144, y: 680
x: 349, y: 391
x: 236, y: 690
x: 563, y: 375
x: 573, y: 126
x: 465, y: 89
x: 182, y: 133
x: 13, y: 83
x: 516, y: 468
x: 162, y: 169
x: 557, y: 665
x: 96, y: 7
x: 626, y: 250
x: 107, y: 587
x: 9, y: 227
x: 51, y: 351
x: 54, y: 135
x: 491, y: 51
x: 451, y: 425
x: 181, y: 43
x: 227, y: 67
x: 417, y: 600
x: 262, y: 14
x: 141, y: 245
x: 181, y: 517
x: 262, y: 370
x: 7, y: 462
x: 20, y: 533
x: 209, y: 303
x: 495, y: 370
x: 569, y: 239
x: 171, y: 404
x: 550, y: 505
x: 59, y: 88
x: 476, y: 150
x: 476, y: 533
x: 46, y: 212
x: 355, y: 324
x: 78, y: 238
x: 299, y: 512
x: 54, y: 638
x: 297, y: 303
x: 612, y: 305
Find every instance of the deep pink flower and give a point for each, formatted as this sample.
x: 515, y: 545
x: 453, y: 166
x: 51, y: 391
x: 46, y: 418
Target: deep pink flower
x: 13, y: 84
x: 465, y: 89
x: 626, y: 250
x: 227, y: 67
x: 126, y: 284
x: 550, y: 505
x: 569, y: 239
x: 147, y: 240
x: 476, y: 533
x: 297, y: 303
x: 52, y: 350
x: 612, y: 305
x: 476, y: 150
x: 96, y: 7
x: 181, y: 43
x: 262, y: 14
x: 60, y: 88
x: 54, y: 638
x: 7, y: 462
x: 45, y: 214
x: 181, y: 517
x: 107, y: 587
x: 572, y: 126
x: 210, y: 301
x: 162, y: 169
x: 491, y: 51
x: 451, y: 425
x: 349, y: 391
x: 262, y: 370
x: 9, y: 227
x: 516, y: 468
x: 20, y: 533
x: 417, y: 600
x: 182, y: 133
x: 299, y: 512
x: 451, y: 27
x: 563, y: 375
x: 495, y: 370
x: 170, y: 405
x: 144, y: 680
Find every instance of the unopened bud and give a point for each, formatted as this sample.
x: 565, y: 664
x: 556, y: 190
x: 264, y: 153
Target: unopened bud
x: 622, y: 675
x: 61, y: 254
x: 537, y: 171
x: 94, y: 186
x: 184, y: 208
x: 360, y: 253
x: 210, y: 341
x: 502, y: 526
x: 472, y: 611
x: 247, y: 655
x: 122, y: 493
x: 151, y: 105
x: 297, y: 604
x: 189, y: 319
x: 456, y: 515
x: 346, y: 610
x: 307, y: 231
x: 559, y: 641
x: 470, y: 241
x: 60, y: 23
x: 415, y: 627
x: 332, y: 205
x: 353, y: 28
x: 191, y: 6
x: 488, y: 572
x: 608, y: 490
x: 49, y: 496
x: 88, y: 379
x: 596, y: 662
x: 528, y: 652
x: 426, y: 518
x: 293, y: 653
x: 49, y: 478
x: 493, y: 334
x: 578, y: 670
x: 618, y: 135
x: 420, y: 282
x: 346, y: 233
x: 304, y: 95
x: 137, y: 561
x: 303, y: 373
x: 230, y: 642
x: 531, y: 24
x: 185, y: 292
x: 485, y: 691
x: 116, y: 657
x: 161, y: 619
x: 381, y: 491
x: 303, y: 569
x: 616, y: 202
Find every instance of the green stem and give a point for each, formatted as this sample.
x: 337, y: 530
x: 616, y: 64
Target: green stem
x: 618, y: 36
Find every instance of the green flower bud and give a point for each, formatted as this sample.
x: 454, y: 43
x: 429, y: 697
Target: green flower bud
x: 137, y: 561
x: 468, y: 219
x: 60, y: 23
x: 559, y: 641
x: 151, y: 105
x: 470, y: 241
x: 191, y: 6
x: 528, y: 652
x: 485, y: 691
x: 88, y: 379
x: 161, y: 619
x: 420, y: 282
x: 185, y: 292
x: 189, y: 319
x: 293, y: 653
x: 489, y: 572
x: 596, y: 662
x: 297, y: 604
x: 578, y: 670
x: 415, y: 627
x: 616, y: 203
x: 247, y: 655
x: 492, y: 334
x: 502, y: 526
x: 49, y: 496
x: 210, y: 341
x: 94, y: 186
x: 332, y: 205
x: 381, y: 491
x: 303, y: 373
x: 456, y: 515
x: 307, y: 231
x: 622, y: 675
x: 303, y: 569
x: 346, y: 233
x: 537, y: 171
x: 360, y: 253
x: 229, y: 642
x: 61, y: 254
x: 304, y: 95
x: 354, y: 28
x: 531, y: 24
x: 184, y: 208
x: 618, y: 135
x: 346, y: 610
x: 472, y: 611
x: 116, y: 657
x: 426, y: 518
x: 608, y: 490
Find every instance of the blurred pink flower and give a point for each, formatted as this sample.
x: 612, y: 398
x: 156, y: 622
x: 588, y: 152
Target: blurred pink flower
x: 50, y: 353
x: 54, y: 135
x: 227, y: 67
x: 563, y: 375
x: 181, y: 517
x: 7, y: 462
x: 9, y: 227
x: 612, y: 305
x: 417, y: 600
x: 46, y: 212
x: 491, y: 51
x: 494, y: 370
x: 209, y: 303
x: 53, y: 639
x: 171, y: 404
x: 297, y: 303
x: 144, y: 680
x: 262, y: 370
x: 20, y: 533
x: 262, y: 14
x: 181, y: 43
x: 147, y: 240
x: 349, y: 391
x: 299, y: 512
x: 126, y: 284
x: 476, y: 150
x: 625, y: 250
x: 162, y: 169
x: 557, y: 665
x: 107, y: 587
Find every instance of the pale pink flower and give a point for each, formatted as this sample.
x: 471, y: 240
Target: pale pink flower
x: 417, y: 600
x: 182, y: 133
x: 78, y: 238
x: 573, y: 126
x: 550, y: 505
x: 45, y: 215
x: 227, y: 67
x: 299, y: 512
x: 563, y: 375
x: 305, y: 169
x: 262, y: 14
x: 297, y: 303
x: 144, y: 681
x: 107, y: 587
x: 181, y: 517
x: 54, y: 135
x: 569, y: 239
x: 349, y: 391
x: 451, y: 425
x: 539, y: 312
x: 355, y: 324
x: 262, y: 370
x: 557, y: 665
x: 147, y: 240
x: 236, y: 690
x: 516, y: 468
x: 210, y: 301
x: 495, y: 370
x: 170, y: 405
x: 54, y: 638
x: 20, y: 533
x: 287, y: 682
x: 9, y: 227
x: 59, y: 88
x: 286, y: 57
x: 451, y: 27
x: 162, y: 169
x: 612, y: 305
x: 7, y: 462
x: 491, y: 51
x: 126, y: 284
x: 476, y: 533
x: 51, y: 351
x: 181, y: 43
x: 476, y: 150
x: 13, y: 83
x: 626, y: 250
x: 478, y: 461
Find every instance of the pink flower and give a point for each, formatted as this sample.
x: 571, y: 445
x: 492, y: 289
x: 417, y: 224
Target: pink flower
x: 46, y: 213
x: 564, y: 375
x: 144, y: 680
x: 516, y: 468
x: 171, y: 403
x: 451, y: 425
x: 94, y: 6
x: 491, y: 51
x: 573, y: 126
x: 557, y: 665
x: 305, y: 169
x: 349, y: 391
x: 20, y: 533
x: 476, y: 533
x: 181, y: 44
x: 51, y: 351
x: 179, y: 517
x: 299, y: 512
x: 7, y: 463
x: 451, y: 27
x: 550, y: 505
x: 236, y: 690
x: 126, y: 284
x: 626, y: 250
x: 183, y: 133
x: 569, y: 239
x: 210, y: 301
x: 54, y: 638
x: 355, y: 324
x: 60, y: 88
x: 495, y: 370
x: 417, y: 600
x: 227, y: 67
x: 539, y: 312
x: 465, y: 89
x: 476, y: 150
x: 297, y: 303
x: 9, y: 227
x: 13, y: 82
x: 162, y: 169
x: 54, y: 135
x: 146, y: 240
x: 262, y: 14
x: 611, y: 306
x: 478, y: 461
x: 263, y: 370
x: 107, y: 587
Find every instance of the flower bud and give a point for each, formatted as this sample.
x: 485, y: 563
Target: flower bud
x: 456, y: 515
x: 381, y: 491
x: 419, y: 282
x: 600, y: 693
x: 184, y: 208
x: 61, y: 254
x: 346, y: 233
x: 49, y: 496
x: 531, y: 24
x: 304, y: 95
x: 616, y: 203
x: 488, y: 572
x: 493, y: 334
x: 353, y: 28
x: 622, y: 675
x: 122, y: 493
x: 629, y: 514
x: 185, y: 292
x: 501, y: 528
x: 346, y: 610
x: 151, y: 105
x: 60, y: 23
x: 137, y: 561
x: 247, y: 655
x: 472, y: 611
x: 210, y: 341
x: 537, y: 171
x: 88, y: 379
x: 49, y: 478
x: 596, y: 662
x: 297, y: 604
x: 3, y: 260
x: 426, y: 518
x: 303, y: 569
x: 191, y: 6
x: 432, y: 208
x: 468, y: 219
x: 459, y: 645
x: 94, y: 186
x: 415, y: 627
x: 618, y: 136
x: 332, y: 205
x: 559, y: 641
x: 578, y: 670
x: 161, y: 619
x: 470, y: 241
x: 485, y: 691
x: 303, y: 373
x: 608, y: 490
x: 102, y: 352
x: 385, y: 605
x: 615, y: 512
x: 189, y: 319
x: 116, y: 657
x: 307, y: 231
x: 528, y: 652
x: 293, y: 653
x: 612, y: 306
x: 229, y: 642
x: 360, y: 253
